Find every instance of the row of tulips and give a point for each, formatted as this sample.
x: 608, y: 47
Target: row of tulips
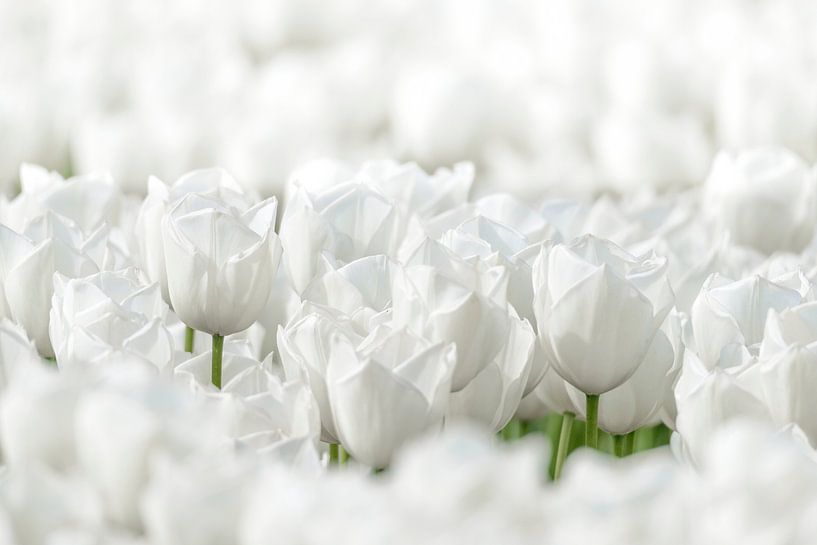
x: 389, y: 306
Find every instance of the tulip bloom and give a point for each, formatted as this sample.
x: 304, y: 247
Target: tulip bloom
x: 108, y: 317
x: 220, y: 265
x: 598, y: 310
x: 27, y: 271
x: 390, y: 388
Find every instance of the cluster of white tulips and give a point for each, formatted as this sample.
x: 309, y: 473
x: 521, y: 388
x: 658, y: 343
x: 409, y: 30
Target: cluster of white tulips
x: 189, y: 368
x: 534, y: 92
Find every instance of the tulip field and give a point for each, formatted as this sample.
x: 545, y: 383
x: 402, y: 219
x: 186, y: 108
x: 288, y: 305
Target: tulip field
x: 434, y: 272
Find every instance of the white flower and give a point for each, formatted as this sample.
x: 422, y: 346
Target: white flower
x: 444, y: 298
x: 26, y: 271
x: 772, y: 184
x: 598, y: 309
x: 89, y: 201
x: 220, y: 262
x: 214, y: 182
x: 731, y: 315
x: 793, y: 325
x: 348, y: 221
x: 636, y: 402
x: 304, y: 346
x: 787, y: 381
x: 360, y: 290
x: 256, y: 407
x: 707, y: 400
x: 390, y: 388
x: 493, y: 396
x: 107, y: 317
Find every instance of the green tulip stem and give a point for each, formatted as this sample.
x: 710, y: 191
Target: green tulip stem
x: 619, y: 445
x: 189, y: 335
x: 215, y: 370
x: 333, y: 454
x: 591, y: 431
x: 512, y: 430
x: 564, y: 443
x: 343, y: 456
x: 629, y: 443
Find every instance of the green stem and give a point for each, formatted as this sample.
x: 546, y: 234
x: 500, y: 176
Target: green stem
x: 512, y: 430
x: 215, y: 370
x: 189, y: 335
x: 343, y: 456
x: 564, y: 443
x: 643, y: 439
x: 333, y: 454
x: 591, y: 431
x: 629, y: 443
x: 619, y: 445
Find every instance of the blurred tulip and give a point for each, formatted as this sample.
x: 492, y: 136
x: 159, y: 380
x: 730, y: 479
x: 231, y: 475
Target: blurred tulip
x: 763, y: 183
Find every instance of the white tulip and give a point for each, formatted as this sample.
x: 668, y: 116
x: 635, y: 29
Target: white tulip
x: 348, y: 221
x: 213, y: 182
x: 220, y: 262
x: 789, y: 326
x: 89, y: 201
x: 498, y: 245
x: 709, y: 399
x: 304, y: 346
x: 728, y: 315
x: 360, y: 290
x: 493, y: 396
x: 26, y: 272
x: 108, y: 317
x: 256, y: 408
x: 447, y: 299
x: 598, y: 309
x: 408, y: 186
x: 763, y: 183
x: 390, y: 388
x: 635, y: 403
x: 788, y: 380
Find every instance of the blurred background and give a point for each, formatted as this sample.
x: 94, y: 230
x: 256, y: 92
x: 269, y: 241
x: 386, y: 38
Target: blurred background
x: 571, y: 97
